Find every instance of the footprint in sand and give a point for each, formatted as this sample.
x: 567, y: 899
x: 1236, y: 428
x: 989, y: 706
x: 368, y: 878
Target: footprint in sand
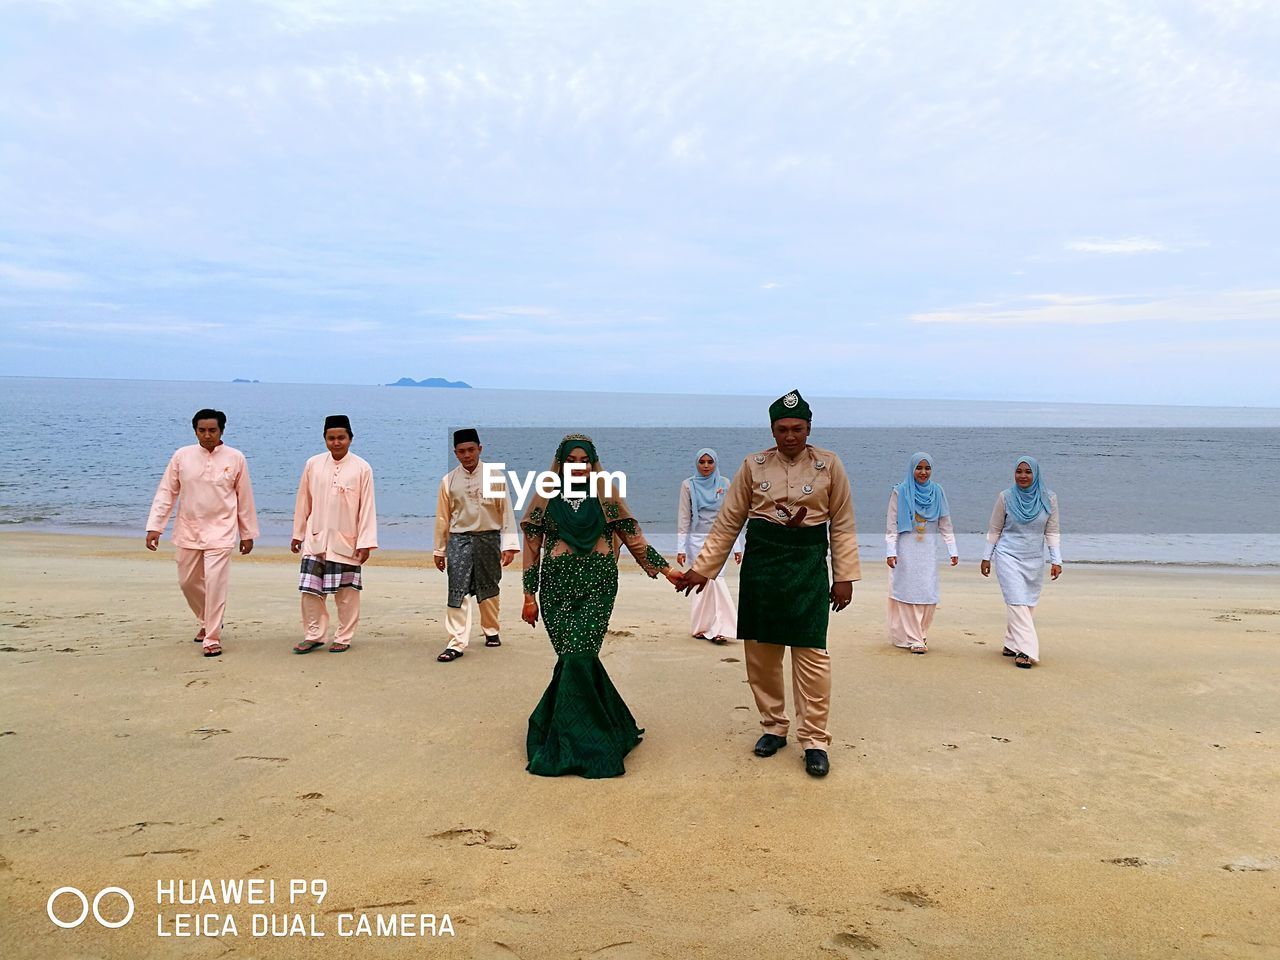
x: 1127, y: 861
x: 311, y: 796
x: 847, y: 941
x: 912, y: 895
x: 1252, y: 864
x: 263, y: 759
x: 177, y: 851
x: 730, y: 660
x: 204, y: 733
x: 1001, y: 739
x: 197, y: 683
x: 477, y: 837
x: 495, y: 950
x: 622, y: 950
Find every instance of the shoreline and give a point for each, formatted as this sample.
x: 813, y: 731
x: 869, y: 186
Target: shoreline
x: 401, y: 553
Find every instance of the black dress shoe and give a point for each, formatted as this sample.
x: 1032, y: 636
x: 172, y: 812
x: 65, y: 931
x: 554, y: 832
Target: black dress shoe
x: 769, y: 744
x: 816, y: 763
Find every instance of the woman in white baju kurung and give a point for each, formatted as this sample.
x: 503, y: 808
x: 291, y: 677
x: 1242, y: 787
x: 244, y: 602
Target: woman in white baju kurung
x: 713, y: 616
x: 1024, y: 523
x: 918, y: 516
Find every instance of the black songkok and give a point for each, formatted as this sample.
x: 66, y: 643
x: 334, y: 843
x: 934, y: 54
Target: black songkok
x: 338, y: 420
x: 465, y: 435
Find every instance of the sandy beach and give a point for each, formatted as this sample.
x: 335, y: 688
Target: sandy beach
x: 1120, y: 800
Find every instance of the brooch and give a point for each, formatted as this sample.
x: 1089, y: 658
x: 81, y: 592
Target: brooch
x: 790, y: 400
x: 759, y: 458
x: 764, y: 484
x: 807, y: 488
x: 819, y: 464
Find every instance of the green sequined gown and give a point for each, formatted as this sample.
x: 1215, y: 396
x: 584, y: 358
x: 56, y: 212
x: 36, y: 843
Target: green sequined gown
x: 581, y: 725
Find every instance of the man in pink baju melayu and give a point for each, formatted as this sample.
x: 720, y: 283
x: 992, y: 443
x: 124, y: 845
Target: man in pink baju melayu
x: 209, y: 482
x: 335, y: 528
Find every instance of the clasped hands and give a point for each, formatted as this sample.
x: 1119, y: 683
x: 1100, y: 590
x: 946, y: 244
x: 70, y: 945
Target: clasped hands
x: 841, y: 593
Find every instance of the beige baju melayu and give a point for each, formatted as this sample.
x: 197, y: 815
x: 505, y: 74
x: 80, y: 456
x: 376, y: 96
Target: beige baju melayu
x: 462, y: 508
x: 215, y: 512
x: 334, y: 515
x: 817, y: 481
x: 913, y: 582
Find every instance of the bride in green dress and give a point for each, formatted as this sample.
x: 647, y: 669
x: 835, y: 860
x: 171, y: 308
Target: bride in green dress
x: 581, y: 725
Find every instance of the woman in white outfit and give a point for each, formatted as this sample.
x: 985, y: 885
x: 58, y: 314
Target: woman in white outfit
x: 713, y: 616
x: 918, y: 515
x: 1024, y: 523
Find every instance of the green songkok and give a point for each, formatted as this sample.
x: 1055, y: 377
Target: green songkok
x: 792, y: 405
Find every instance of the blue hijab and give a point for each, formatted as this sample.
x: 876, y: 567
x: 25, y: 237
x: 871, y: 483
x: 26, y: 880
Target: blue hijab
x: 707, y: 492
x: 928, y: 500
x: 1025, y: 505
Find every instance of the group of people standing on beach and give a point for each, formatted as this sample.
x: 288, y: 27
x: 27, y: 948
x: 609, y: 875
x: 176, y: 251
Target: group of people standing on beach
x: 786, y: 510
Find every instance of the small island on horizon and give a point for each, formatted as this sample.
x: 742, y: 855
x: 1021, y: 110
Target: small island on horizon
x: 243, y: 380
x: 430, y: 382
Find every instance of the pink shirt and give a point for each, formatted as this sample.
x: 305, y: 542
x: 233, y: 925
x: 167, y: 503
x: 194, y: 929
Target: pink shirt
x: 334, y: 515
x: 214, y: 497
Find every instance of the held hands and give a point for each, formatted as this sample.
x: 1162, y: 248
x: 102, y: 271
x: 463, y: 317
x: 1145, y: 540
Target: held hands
x: 675, y: 578
x: 530, y: 612
x: 507, y: 557
x: 440, y: 564
x: 246, y: 547
x: 986, y: 568
x: 841, y: 594
x: 153, y: 539
x: 1055, y: 571
x: 690, y: 580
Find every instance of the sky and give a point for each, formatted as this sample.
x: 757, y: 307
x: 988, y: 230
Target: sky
x: 1057, y: 200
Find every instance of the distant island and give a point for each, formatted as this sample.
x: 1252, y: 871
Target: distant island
x: 430, y: 382
x: 243, y: 380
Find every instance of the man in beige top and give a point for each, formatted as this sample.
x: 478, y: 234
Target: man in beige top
x: 475, y: 538
x: 209, y: 482
x: 788, y: 497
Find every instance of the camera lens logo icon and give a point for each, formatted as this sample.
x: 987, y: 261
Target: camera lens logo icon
x: 85, y: 908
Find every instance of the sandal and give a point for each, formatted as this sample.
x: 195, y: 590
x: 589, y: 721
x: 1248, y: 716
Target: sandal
x: 448, y: 655
x: 719, y: 640
x: 1006, y: 652
x: 213, y: 649
x: 1023, y: 661
x: 336, y: 647
x: 494, y: 641
x: 306, y: 646
x: 919, y: 648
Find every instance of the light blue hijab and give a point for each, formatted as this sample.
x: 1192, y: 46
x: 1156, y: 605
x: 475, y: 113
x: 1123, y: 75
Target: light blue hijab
x: 707, y: 492
x: 1025, y: 505
x: 928, y: 500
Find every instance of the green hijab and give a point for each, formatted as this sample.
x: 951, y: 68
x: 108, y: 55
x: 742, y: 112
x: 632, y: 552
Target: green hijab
x: 582, y: 528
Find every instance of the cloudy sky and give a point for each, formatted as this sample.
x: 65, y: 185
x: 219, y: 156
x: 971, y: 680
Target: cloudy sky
x: 1036, y: 200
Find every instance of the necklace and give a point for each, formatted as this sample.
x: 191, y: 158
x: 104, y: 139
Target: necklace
x: 920, y: 524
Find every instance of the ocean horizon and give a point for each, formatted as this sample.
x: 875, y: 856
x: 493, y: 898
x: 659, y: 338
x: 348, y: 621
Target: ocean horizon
x: 1152, y: 485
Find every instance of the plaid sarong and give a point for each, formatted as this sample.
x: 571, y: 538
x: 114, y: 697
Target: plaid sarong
x: 324, y: 576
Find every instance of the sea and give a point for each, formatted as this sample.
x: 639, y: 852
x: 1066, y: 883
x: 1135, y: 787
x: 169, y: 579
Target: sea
x: 1148, y: 485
